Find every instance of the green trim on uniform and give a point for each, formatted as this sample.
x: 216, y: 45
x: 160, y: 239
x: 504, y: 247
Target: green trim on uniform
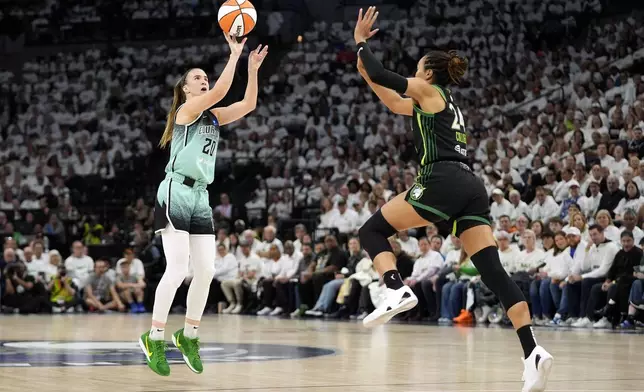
x: 428, y: 208
x: 440, y: 90
x: 469, y: 217
x: 418, y: 109
x: 422, y: 134
x: 474, y: 218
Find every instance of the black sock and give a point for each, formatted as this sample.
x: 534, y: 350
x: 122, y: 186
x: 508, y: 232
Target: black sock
x: 526, y: 337
x: 392, y: 279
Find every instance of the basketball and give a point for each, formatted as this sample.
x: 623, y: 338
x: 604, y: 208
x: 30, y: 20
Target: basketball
x: 237, y: 17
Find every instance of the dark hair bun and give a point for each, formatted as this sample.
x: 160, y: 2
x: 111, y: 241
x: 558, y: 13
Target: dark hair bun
x: 456, y: 66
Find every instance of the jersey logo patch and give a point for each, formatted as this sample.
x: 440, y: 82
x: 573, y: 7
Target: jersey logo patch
x: 416, y: 191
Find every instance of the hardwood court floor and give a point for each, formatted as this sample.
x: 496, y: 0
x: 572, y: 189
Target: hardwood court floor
x: 99, y: 353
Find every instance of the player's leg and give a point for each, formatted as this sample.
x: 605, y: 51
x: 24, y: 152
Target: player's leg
x: 176, y: 247
x: 396, y: 215
x: 203, y: 246
x: 478, y: 242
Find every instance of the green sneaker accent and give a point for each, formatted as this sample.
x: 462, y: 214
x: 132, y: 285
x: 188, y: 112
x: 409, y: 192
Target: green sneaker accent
x: 154, y: 351
x: 189, y: 350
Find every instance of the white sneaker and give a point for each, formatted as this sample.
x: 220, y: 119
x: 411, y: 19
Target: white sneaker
x: 396, y: 301
x: 362, y: 316
x: 229, y: 308
x: 276, y: 312
x: 238, y: 308
x: 582, y: 323
x: 536, y: 370
x: 265, y: 311
x: 537, y: 321
x: 603, y: 323
x: 56, y: 309
x: 569, y: 321
x: 314, y: 313
x: 295, y: 313
x: 485, y: 313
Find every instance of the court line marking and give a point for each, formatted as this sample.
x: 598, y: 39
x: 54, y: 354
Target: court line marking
x: 550, y: 382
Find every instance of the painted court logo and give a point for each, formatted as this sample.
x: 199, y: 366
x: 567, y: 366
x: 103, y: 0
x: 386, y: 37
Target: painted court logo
x: 416, y: 192
x: 72, y: 353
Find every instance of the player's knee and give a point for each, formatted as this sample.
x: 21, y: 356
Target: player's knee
x: 374, y: 235
x: 175, y: 274
x: 493, y: 275
x: 207, y: 271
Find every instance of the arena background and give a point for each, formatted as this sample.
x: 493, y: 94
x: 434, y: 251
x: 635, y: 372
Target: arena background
x: 96, y: 77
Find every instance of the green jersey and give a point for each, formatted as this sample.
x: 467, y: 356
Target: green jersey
x: 193, y: 150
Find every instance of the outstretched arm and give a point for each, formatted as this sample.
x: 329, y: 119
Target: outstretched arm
x: 390, y: 98
x: 239, y: 109
x: 413, y: 87
x: 193, y: 107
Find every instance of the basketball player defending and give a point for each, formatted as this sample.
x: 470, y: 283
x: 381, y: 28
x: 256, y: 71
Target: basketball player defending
x: 183, y: 215
x: 445, y: 190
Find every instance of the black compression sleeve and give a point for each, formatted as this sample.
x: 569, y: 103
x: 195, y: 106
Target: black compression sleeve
x: 377, y: 73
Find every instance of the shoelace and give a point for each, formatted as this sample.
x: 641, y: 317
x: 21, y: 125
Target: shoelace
x: 160, y: 346
x: 194, y: 346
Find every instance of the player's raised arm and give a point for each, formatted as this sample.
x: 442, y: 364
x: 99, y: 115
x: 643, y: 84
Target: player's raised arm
x: 193, y: 107
x: 415, y: 88
x: 390, y: 98
x: 239, y: 109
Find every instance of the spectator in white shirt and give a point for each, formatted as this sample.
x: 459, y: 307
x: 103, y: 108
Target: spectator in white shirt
x: 425, y: 267
x: 254, y: 244
x: 519, y: 207
x: 545, y: 206
x: 509, y: 255
x: 531, y: 257
x: 557, y: 268
x: 408, y: 244
x: 136, y: 265
x: 604, y: 219
x: 633, y: 200
x: 270, y: 239
x: 79, y: 266
x: 300, y: 232
x: 500, y: 206
x: 346, y: 220
x: 593, y: 270
x: 590, y: 204
x: 39, y: 252
x: 226, y: 268
x: 629, y: 222
x: 250, y: 267
x: 363, y: 213
x: 274, y: 267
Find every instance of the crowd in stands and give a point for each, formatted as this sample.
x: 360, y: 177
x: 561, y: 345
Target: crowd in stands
x: 556, y: 135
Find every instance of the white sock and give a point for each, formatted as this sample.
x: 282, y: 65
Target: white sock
x: 157, y: 333
x: 190, y: 331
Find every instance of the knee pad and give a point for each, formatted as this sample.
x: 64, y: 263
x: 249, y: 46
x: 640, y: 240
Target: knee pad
x: 493, y: 275
x: 374, y: 235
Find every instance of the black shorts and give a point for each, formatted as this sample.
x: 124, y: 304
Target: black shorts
x: 450, y: 192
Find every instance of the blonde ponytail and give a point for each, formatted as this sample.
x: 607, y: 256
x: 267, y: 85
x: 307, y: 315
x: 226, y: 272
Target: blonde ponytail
x: 178, y: 99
